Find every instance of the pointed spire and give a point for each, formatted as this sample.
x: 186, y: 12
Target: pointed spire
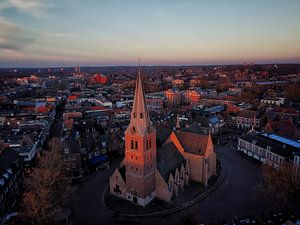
x: 177, y: 123
x: 140, y: 120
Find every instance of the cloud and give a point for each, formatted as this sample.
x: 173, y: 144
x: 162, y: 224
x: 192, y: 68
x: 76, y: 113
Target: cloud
x: 32, y: 7
x: 13, y: 37
x: 46, y: 34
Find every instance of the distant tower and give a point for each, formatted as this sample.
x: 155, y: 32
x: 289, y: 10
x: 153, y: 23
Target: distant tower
x: 77, y: 69
x: 140, y: 149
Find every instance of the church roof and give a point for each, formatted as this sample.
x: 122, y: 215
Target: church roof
x: 168, y: 159
x: 122, y: 171
x: 192, y: 143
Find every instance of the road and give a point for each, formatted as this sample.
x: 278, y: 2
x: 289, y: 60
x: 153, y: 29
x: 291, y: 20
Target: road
x: 237, y: 195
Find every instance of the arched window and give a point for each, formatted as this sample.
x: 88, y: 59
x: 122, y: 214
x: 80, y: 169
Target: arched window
x: 136, y: 145
x: 141, y: 115
x: 149, y: 143
x: 132, y: 144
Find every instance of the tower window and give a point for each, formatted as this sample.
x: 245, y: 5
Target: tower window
x: 134, y: 144
x: 149, y: 143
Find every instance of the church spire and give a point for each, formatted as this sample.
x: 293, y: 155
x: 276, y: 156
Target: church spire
x: 139, y: 120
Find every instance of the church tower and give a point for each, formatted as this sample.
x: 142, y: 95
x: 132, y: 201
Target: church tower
x: 140, y: 150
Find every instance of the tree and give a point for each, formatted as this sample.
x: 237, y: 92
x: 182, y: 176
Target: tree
x: 278, y: 184
x: 293, y: 93
x: 46, y: 187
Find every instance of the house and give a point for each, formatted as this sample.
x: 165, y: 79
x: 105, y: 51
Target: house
x: 272, y: 101
x: 268, y: 148
x: 192, y: 97
x: 284, y: 127
x: 73, y: 159
x: 11, y: 176
x: 173, y: 96
x: 247, y: 119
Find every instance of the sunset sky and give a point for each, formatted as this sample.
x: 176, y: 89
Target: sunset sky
x: 46, y: 33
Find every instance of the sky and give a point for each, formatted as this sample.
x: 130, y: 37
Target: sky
x: 47, y: 33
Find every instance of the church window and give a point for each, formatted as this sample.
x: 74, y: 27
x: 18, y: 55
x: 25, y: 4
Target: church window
x: 133, y: 130
x: 141, y: 115
x: 149, y: 143
x: 136, y: 145
x: 134, y: 115
x: 147, y: 146
x: 132, y: 144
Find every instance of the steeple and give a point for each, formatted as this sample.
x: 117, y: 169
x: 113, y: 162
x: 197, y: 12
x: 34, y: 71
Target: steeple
x: 139, y: 119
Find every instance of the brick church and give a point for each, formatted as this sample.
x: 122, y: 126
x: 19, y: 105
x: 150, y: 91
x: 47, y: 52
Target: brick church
x: 147, y: 172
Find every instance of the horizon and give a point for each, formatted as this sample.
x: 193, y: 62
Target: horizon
x: 44, y: 33
x: 136, y: 65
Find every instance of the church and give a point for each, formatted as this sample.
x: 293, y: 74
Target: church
x: 147, y: 172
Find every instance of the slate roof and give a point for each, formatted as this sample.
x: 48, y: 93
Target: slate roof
x: 204, y: 121
x: 192, y: 143
x: 168, y: 159
x: 162, y: 133
x: 194, y: 128
x: 263, y: 142
x: 122, y: 171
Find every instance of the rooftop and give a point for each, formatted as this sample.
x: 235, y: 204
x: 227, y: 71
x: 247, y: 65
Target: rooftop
x: 283, y: 140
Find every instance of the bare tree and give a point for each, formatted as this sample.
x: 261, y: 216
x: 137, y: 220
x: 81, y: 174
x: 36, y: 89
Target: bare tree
x: 278, y: 184
x: 46, y: 187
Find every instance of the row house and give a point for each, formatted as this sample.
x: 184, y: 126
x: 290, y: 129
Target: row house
x: 247, y: 119
x: 11, y: 176
x: 173, y: 96
x: 272, y: 150
x: 192, y: 97
x: 264, y: 149
x: 272, y: 101
x: 218, y: 100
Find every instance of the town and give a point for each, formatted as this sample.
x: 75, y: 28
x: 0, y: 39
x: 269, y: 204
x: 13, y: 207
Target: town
x: 250, y: 111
